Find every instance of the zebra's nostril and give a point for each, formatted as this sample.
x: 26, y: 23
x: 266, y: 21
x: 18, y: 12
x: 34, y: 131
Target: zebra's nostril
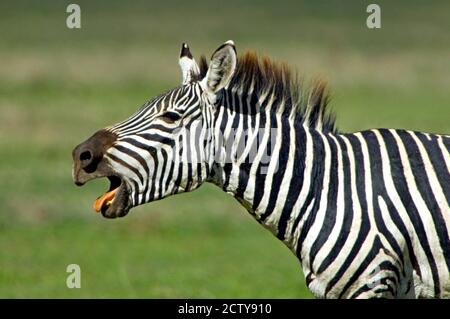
x: 85, y: 156
x: 88, y: 155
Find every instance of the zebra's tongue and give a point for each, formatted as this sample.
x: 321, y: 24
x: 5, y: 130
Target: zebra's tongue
x: 106, y: 198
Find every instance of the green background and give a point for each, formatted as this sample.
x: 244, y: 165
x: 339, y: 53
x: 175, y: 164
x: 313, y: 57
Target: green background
x: 58, y: 86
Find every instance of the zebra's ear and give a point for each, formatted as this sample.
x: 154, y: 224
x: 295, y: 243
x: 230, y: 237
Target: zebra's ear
x: 221, y: 68
x: 189, y: 67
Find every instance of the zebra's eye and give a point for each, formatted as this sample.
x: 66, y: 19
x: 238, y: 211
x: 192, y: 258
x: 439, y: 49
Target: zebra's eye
x: 170, y: 117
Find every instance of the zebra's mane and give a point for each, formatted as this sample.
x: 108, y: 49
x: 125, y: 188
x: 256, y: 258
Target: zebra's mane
x: 276, y: 78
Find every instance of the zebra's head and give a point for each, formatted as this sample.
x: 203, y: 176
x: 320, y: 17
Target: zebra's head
x: 165, y: 147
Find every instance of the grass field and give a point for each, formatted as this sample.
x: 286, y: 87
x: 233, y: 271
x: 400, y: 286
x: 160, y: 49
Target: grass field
x: 57, y: 86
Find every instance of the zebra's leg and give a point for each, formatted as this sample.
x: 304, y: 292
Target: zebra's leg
x: 383, y: 285
x: 380, y: 291
x: 383, y: 278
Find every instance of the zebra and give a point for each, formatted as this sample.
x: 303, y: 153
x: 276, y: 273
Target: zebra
x: 367, y: 213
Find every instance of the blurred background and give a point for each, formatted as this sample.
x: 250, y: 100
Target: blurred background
x: 58, y: 86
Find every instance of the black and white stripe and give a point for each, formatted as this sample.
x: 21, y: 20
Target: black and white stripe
x: 366, y: 213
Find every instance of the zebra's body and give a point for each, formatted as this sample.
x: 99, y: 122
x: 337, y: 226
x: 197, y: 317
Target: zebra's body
x: 366, y: 213
x: 334, y: 203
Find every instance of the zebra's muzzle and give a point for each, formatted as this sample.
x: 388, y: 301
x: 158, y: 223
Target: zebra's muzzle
x: 90, y: 162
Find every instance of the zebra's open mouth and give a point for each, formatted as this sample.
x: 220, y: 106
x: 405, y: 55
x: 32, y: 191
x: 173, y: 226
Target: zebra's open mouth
x: 113, y: 203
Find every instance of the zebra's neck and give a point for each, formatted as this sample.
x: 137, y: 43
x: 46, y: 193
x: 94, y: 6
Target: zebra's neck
x: 273, y: 164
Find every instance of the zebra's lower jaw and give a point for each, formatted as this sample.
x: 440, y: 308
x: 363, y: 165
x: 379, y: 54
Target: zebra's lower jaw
x: 114, y: 203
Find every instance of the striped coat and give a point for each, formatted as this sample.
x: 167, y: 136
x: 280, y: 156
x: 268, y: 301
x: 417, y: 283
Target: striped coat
x: 366, y: 213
